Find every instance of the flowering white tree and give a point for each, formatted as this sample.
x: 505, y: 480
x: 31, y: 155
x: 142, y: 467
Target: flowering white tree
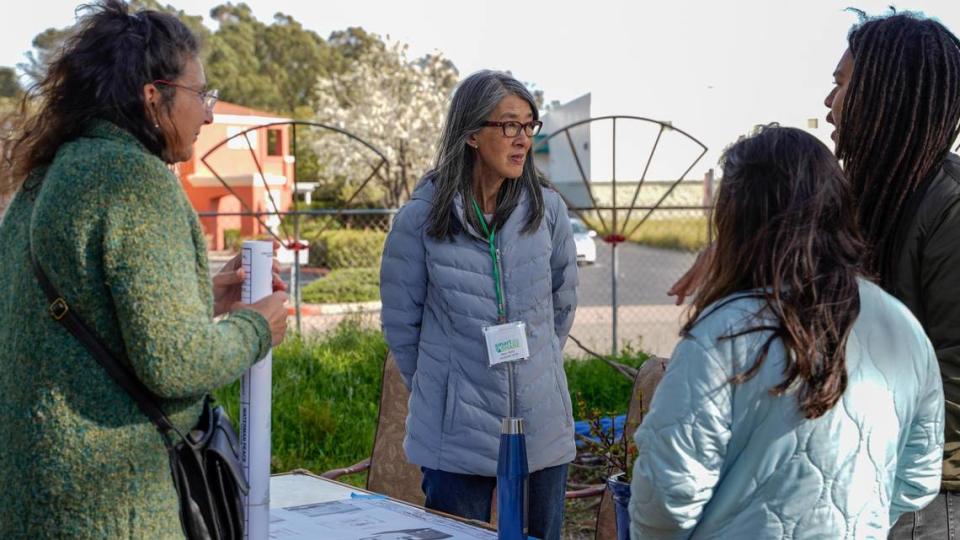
x: 395, y: 104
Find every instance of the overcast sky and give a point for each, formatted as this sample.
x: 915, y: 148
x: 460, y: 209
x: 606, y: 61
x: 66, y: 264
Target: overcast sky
x: 713, y: 68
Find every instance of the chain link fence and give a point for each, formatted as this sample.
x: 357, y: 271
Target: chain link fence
x: 338, y: 276
x: 654, y: 255
x: 332, y: 271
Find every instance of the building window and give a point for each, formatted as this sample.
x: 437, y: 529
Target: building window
x: 274, y: 142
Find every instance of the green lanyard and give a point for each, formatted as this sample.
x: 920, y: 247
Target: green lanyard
x: 491, y: 241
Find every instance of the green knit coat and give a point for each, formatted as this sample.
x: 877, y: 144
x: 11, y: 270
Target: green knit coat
x: 116, y: 235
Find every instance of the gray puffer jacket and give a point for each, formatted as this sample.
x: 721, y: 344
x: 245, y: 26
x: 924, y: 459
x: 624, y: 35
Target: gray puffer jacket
x: 437, y: 296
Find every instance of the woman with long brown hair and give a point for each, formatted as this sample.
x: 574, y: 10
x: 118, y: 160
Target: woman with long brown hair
x: 896, y: 107
x: 803, y: 401
x: 110, y: 226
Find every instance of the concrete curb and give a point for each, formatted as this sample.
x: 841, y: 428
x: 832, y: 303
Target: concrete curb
x: 309, y: 310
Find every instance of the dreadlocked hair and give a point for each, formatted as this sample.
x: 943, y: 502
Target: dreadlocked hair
x: 900, y: 117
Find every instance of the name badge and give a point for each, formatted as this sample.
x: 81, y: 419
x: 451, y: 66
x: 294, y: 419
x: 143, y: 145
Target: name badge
x: 506, y: 342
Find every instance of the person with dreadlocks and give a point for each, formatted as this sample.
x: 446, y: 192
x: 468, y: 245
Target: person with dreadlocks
x: 896, y: 109
x: 802, y: 401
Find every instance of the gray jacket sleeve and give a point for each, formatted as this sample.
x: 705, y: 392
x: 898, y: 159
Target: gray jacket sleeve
x: 403, y: 288
x: 563, y: 266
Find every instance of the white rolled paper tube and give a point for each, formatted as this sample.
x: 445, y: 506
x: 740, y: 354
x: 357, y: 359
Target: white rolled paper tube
x: 255, y: 400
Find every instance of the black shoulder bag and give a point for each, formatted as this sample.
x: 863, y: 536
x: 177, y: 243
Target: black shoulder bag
x: 204, y: 464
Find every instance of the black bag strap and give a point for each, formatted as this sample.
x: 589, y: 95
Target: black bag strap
x: 61, y: 312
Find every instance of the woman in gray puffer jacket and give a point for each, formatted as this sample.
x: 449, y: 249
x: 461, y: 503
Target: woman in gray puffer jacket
x: 484, y: 242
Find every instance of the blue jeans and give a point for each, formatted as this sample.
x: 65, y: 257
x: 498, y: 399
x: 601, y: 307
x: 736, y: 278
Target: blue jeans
x: 470, y: 497
x: 940, y: 520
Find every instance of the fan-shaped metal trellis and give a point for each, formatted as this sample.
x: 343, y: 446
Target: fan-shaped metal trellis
x: 615, y: 231
x: 291, y: 241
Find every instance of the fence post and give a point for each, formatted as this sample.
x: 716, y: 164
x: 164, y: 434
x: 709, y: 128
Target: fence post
x: 295, y: 278
x: 614, y: 267
x: 708, y: 188
x: 708, y: 202
x: 613, y: 246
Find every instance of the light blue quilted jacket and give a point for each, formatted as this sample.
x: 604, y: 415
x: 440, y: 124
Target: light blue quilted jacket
x: 438, y: 295
x: 718, y: 460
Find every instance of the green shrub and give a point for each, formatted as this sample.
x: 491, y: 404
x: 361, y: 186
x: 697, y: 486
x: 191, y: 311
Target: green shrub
x: 232, y: 239
x: 344, y: 285
x: 347, y: 248
x: 312, y: 226
x: 326, y: 395
x: 596, y: 386
x: 317, y: 256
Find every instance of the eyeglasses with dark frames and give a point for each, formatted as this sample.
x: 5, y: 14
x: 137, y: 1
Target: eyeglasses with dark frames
x: 512, y: 128
x: 209, y: 97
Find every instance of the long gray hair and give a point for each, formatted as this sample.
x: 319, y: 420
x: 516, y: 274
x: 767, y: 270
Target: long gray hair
x: 473, y: 102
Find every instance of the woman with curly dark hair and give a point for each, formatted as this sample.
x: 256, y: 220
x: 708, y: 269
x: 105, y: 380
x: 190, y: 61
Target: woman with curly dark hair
x: 113, y: 231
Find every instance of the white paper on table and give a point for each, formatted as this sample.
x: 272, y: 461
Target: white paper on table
x: 366, y: 519
x: 255, y: 399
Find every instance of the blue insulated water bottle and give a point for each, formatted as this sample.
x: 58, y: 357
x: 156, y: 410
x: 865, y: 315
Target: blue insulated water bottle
x: 511, y: 480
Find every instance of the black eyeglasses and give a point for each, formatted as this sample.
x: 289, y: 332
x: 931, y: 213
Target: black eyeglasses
x: 512, y: 129
x: 209, y: 97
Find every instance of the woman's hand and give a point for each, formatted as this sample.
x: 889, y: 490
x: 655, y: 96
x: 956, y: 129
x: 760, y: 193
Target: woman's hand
x: 228, y: 283
x: 274, y: 310
x: 688, y: 284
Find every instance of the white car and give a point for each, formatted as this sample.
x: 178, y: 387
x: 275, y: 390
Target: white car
x: 583, y: 238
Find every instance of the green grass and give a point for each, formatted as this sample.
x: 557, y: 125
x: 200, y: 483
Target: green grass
x: 344, y: 285
x: 687, y: 234
x: 597, y: 387
x: 682, y: 233
x: 326, y: 394
x: 325, y: 399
